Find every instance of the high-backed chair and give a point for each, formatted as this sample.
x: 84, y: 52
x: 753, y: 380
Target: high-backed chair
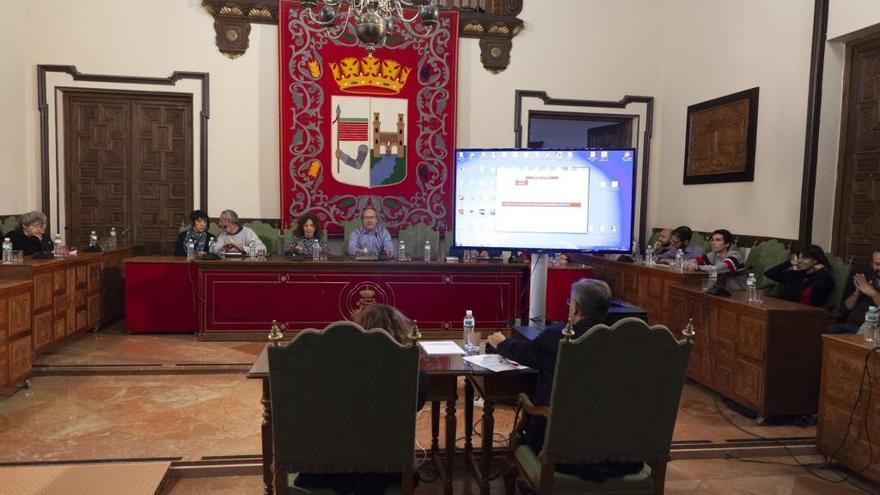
x: 343, y: 401
x: 8, y: 223
x: 268, y: 234
x: 615, y: 398
x: 841, y: 273
x: 762, y: 257
x: 288, y: 233
x: 348, y: 227
x: 415, y: 238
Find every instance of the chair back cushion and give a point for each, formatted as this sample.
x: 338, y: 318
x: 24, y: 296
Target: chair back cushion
x: 615, y: 394
x: 764, y: 256
x: 343, y: 400
x: 841, y: 273
x: 415, y: 238
x: 348, y: 227
x: 267, y: 233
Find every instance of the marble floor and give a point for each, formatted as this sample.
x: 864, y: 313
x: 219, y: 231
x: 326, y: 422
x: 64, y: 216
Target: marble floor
x: 111, y: 396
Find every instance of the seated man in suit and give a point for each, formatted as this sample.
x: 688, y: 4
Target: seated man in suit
x: 371, y: 237
x: 589, y: 304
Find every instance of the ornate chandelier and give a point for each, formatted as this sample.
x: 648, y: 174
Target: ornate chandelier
x: 373, y: 19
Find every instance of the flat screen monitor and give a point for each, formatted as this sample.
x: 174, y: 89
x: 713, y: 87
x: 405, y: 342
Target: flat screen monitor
x: 556, y: 200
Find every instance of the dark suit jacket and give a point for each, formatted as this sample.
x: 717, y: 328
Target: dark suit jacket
x: 30, y: 245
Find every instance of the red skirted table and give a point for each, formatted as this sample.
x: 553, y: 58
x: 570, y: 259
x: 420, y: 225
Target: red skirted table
x: 235, y: 297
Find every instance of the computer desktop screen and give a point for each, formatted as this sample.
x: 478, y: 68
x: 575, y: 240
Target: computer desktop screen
x: 545, y: 200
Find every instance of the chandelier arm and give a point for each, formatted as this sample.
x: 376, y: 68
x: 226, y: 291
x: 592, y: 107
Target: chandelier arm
x: 342, y: 26
x: 399, y: 8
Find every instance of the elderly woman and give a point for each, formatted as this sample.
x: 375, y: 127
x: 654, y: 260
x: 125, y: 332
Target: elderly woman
x: 30, y: 236
x: 197, y: 233
x: 307, y: 232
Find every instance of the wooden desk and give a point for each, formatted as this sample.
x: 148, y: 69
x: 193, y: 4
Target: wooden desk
x: 443, y: 373
x: 16, y: 344
x: 642, y: 285
x: 843, y: 362
x: 765, y: 356
x: 66, y: 295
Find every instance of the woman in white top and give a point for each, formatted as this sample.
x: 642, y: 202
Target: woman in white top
x: 235, y: 237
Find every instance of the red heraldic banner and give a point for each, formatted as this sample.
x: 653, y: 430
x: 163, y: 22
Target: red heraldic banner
x: 361, y: 129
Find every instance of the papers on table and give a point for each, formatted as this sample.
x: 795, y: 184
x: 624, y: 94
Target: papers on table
x: 441, y: 348
x: 494, y: 362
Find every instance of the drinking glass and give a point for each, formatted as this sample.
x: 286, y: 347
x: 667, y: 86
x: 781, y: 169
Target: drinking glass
x: 16, y: 257
x: 472, y: 346
x: 707, y: 284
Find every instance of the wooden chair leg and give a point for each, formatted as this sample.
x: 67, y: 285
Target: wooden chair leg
x: 658, y: 473
x: 548, y: 471
x: 406, y: 481
x: 280, y: 482
x: 510, y: 476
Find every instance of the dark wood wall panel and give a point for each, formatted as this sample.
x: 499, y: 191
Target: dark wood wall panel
x: 858, y: 212
x: 128, y: 165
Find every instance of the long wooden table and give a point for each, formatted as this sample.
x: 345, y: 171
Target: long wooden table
x: 443, y: 373
x: 16, y: 345
x: 765, y: 356
x: 239, y: 298
x: 843, y: 364
x: 66, y: 296
x: 644, y: 286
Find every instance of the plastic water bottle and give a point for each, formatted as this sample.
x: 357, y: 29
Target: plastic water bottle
x: 679, y: 260
x: 7, y: 250
x: 59, y: 250
x: 427, y: 251
x: 190, y: 249
x: 93, y: 239
x: 113, y: 238
x: 752, y: 287
x: 468, y: 326
x: 869, y: 329
x: 713, y: 276
x: 316, y: 251
x: 401, y: 250
x: 636, y: 253
x: 649, y: 255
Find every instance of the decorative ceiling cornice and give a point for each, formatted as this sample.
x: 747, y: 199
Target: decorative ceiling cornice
x: 493, y: 22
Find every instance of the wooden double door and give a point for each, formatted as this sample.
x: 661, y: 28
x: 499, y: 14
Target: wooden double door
x: 129, y: 165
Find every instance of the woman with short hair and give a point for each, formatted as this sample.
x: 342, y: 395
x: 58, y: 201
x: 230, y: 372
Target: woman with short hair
x: 197, y: 233
x: 30, y: 236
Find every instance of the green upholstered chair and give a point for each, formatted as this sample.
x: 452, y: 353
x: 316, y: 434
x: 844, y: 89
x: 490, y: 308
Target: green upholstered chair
x: 700, y: 239
x: 615, y: 398
x: 840, y: 271
x: 343, y: 401
x: 348, y: 227
x: 8, y: 223
x: 762, y: 257
x: 267, y: 233
x: 415, y: 238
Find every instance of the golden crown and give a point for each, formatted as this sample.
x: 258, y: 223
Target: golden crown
x: 369, y: 75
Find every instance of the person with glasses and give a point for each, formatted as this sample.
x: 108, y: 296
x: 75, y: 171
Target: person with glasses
x: 235, y: 237
x: 371, y: 237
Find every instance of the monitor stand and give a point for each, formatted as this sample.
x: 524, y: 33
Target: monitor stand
x: 538, y: 289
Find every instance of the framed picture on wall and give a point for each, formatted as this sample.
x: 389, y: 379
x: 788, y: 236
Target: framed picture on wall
x: 720, y: 139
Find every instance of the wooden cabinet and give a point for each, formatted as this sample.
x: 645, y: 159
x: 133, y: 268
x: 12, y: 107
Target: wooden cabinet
x: 765, y: 356
x: 643, y: 286
x: 843, y: 365
x: 16, y: 346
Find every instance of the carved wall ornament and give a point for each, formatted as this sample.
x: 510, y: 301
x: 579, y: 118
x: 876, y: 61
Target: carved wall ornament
x: 493, y: 22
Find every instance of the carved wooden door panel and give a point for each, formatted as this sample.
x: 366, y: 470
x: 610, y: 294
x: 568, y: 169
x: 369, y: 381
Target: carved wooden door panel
x: 611, y: 136
x: 857, y: 229
x: 128, y: 165
x: 162, y: 185
x: 97, y: 165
